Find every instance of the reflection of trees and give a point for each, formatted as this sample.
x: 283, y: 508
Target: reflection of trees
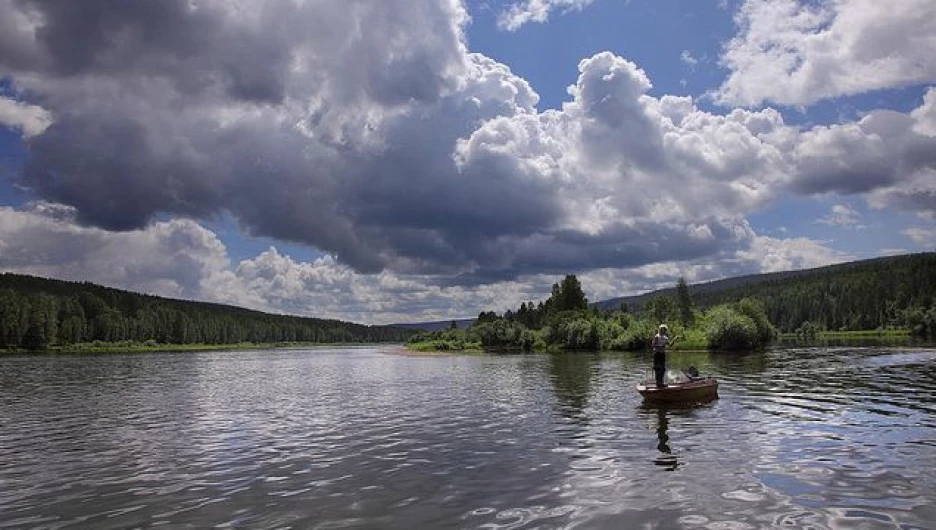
x: 571, y: 375
x: 739, y: 363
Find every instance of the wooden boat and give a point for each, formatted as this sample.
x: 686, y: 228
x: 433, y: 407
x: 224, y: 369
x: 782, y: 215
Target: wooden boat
x: 695, y: 389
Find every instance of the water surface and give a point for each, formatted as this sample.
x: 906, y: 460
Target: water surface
x: 359, y: 438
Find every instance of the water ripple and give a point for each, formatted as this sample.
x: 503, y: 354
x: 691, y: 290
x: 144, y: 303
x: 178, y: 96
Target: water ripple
x: 356, y: 438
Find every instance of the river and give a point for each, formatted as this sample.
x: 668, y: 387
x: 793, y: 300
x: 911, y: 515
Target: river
x: 835, y: 437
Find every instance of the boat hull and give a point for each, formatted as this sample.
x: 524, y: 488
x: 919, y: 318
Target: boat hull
x: 698, y: 390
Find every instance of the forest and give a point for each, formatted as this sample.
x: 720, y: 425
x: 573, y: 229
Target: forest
x: 39, y: 314
x: 895, y: 293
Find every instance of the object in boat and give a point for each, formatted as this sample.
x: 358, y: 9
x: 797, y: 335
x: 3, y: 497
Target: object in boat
x: 689, y: 388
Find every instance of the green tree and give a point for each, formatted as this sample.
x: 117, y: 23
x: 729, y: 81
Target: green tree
x: 567, y: 295
x: 661, y: 308
x: 684, y: 303
x: 489, y: 316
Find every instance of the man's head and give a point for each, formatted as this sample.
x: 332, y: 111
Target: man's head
x: 663, y: 329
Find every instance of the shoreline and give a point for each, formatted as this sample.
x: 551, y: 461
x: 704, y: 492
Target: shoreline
x: 403, y: 351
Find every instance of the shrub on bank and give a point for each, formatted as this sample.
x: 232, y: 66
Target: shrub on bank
x: 728, y: 329
x: 444, y: 340
x: 754, y: 309
x: 573, y: 330
x: 504, y: 335
x: 635, y: 337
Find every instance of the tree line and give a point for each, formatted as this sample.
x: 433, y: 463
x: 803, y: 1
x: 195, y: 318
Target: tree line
x: 892, y: 293
x: 38, y: 313
x: 566, y: 321
x: 896, y: 292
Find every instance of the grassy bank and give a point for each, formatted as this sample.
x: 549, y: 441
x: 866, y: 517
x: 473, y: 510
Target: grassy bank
x: 455, y: 343
x: 850, y: 335
x: 443, y: 346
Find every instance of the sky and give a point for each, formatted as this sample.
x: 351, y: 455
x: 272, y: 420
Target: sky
x: 412, y: 160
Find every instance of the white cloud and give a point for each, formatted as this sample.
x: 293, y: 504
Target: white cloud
x: 762, y: 255
x: 777, y: 255
x: 30, y: 120
x: 687, y: 59
x: 796, y: 53
x: 185, y: 260
x: 526, y: 11
x: 891, y: 252
x: 168, y: 258
x: 924, y: 116
x: 182, y: 259
x: 925, y: 237
x: 843, y: 216
x: 885, y: 157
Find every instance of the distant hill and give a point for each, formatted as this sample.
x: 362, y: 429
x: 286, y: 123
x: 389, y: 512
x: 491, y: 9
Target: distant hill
x: 462, y: 323
x: 724, y: 284
x: 858, y: 295
x: 36, y: 313
x: 864, y: 294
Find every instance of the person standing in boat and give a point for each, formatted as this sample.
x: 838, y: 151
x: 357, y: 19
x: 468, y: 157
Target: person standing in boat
x: 659, y: 343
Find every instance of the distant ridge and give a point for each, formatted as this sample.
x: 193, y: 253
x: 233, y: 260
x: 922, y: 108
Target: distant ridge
x: 37, y: 313
x: 725, y: 284
x: 461, y: 323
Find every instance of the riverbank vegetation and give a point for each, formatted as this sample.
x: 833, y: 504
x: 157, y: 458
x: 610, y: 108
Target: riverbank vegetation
x: 565, y: 321
x: 38, y: 314
x: 892, y: 297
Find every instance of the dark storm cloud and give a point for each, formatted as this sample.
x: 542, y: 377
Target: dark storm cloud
x: 85, y: 163
x: 630, y: 246
x: 166, y: 38
x: 170, y: 106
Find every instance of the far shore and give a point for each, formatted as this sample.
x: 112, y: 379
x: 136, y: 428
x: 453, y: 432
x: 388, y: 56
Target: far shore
x: 137, y: 347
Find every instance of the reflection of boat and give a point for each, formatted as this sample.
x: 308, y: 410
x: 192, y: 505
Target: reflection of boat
x: 692, y: 389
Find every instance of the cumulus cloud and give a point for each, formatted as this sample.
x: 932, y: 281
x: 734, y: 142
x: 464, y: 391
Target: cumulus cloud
x: 843, y: 216
x: 168, y: 258
x: 924, y: 116
x: 763, y: 254
x: 182, y: 259
x: 888, y: 156
x: 925, y: 237
x: 525, y: 11
x: 777, y: 255
x: 420, y: 157
x: 796, y: 53
x: 196, y: 109
x: 395, y: 150
x: 30, y: 120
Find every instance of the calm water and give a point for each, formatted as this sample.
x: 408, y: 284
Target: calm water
x: 331, y: 438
